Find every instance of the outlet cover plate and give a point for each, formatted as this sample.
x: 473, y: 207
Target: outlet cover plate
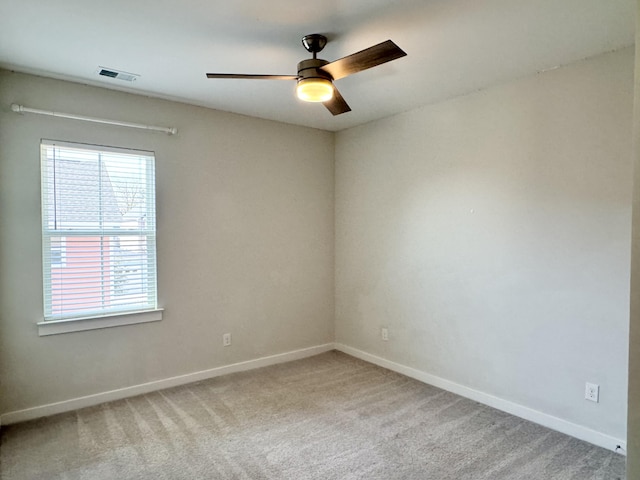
x: 592, y: 392
x: 384, y: 333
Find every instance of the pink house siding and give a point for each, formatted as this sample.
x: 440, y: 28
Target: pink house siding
x: 90, y: 259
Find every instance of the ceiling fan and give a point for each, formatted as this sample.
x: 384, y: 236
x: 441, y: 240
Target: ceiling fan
x: 315, y: 76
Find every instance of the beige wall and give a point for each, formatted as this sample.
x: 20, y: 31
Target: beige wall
x: 245, y: 242
x: 633, y: 423
x: 491, y: 235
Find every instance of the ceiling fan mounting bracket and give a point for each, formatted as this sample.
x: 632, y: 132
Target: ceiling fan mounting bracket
x: 314, y: 43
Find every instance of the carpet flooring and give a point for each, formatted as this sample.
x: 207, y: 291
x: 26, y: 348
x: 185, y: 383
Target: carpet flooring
x: 327, y: 417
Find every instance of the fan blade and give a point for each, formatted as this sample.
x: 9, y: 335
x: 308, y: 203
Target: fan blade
x: 337, y: 105
x: 369, y: 57
x: 252, y: 77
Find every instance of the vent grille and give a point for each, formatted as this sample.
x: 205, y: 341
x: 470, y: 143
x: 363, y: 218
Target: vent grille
x: 111, y: 73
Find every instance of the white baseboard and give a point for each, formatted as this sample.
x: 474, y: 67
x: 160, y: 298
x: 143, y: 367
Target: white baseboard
x: 555, y: 423
x: 98, y: 398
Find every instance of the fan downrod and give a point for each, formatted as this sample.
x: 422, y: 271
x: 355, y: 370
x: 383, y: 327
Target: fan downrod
x: 314, y: 43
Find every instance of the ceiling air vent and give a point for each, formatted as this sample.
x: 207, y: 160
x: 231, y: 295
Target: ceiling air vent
x: 111, y: 73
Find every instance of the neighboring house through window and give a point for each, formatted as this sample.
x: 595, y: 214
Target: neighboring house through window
x: 58, y: 252
x: 98, y: 231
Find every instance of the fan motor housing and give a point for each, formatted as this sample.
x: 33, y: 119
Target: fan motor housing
x: 310, y: 68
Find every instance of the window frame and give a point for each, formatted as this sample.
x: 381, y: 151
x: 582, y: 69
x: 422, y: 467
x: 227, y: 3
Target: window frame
x: 55, y: 324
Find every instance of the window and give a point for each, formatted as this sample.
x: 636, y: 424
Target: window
x: 98, y: 231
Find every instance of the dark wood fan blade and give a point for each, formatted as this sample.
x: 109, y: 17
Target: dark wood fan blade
x: 337, y: 105
x: 252, y: 77
x: 369, y: 57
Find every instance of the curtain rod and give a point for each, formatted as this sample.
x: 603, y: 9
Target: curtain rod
x: 22, y: 109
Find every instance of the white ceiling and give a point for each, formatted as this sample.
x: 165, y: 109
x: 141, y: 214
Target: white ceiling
x: 453, y: 46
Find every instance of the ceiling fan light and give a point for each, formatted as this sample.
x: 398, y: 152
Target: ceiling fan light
x: 315, y: 89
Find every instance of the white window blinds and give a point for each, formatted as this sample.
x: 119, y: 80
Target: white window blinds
x: 98, y: 230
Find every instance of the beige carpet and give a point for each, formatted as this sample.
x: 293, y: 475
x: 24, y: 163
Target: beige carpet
x: 326, y: 417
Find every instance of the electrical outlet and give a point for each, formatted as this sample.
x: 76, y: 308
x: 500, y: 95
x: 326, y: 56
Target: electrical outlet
x: 384, y: 333
x: 226, y: 340
x: 592, y: 392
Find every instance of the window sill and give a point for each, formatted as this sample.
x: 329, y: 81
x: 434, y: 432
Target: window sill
x: 54, y: 327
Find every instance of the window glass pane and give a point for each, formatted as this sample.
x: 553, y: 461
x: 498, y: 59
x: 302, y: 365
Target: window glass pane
x: 98, y: 216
